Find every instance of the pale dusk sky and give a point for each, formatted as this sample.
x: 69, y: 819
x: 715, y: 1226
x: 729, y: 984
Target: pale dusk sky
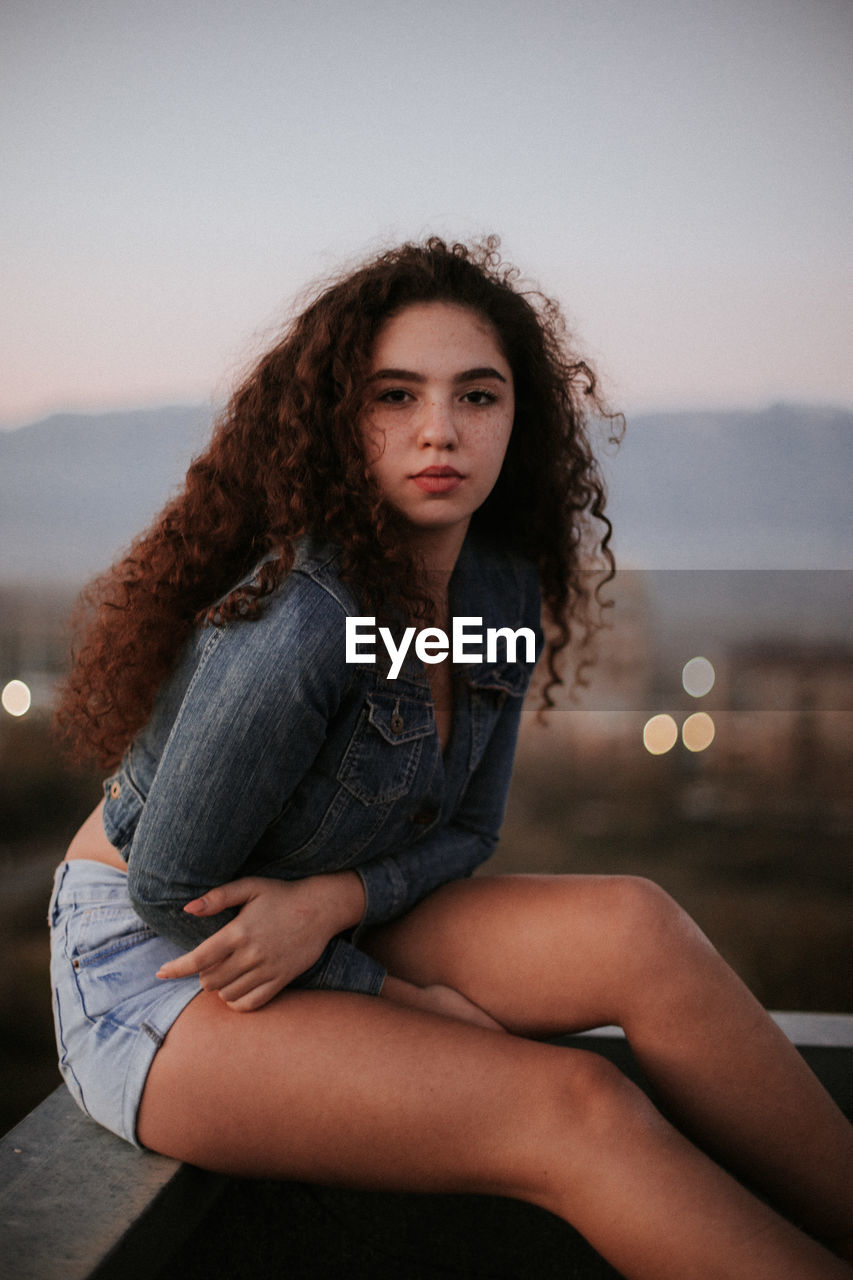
x: 677, y: 173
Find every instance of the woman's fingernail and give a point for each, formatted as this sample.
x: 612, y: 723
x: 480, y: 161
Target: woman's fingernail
x: 197, y: 904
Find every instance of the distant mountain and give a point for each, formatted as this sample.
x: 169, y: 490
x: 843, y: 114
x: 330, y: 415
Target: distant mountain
x: 75, y: 489
x: 688, y: 490
x: 770, y: 489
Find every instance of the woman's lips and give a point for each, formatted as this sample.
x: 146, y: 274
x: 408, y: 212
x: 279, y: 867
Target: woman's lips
x: 438, y: 479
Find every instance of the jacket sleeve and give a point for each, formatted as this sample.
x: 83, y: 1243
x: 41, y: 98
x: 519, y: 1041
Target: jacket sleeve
x: 251, y: 723
x: 396, y: 883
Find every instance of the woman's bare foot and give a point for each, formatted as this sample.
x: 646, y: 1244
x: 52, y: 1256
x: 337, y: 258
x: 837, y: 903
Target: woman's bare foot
x: 437, y: 998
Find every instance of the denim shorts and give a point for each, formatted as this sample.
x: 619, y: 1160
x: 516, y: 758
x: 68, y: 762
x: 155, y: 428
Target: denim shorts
x: 111, y: 1013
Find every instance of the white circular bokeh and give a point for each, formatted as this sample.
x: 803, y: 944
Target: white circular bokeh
x: 698, y: 677
x: 16, y: 698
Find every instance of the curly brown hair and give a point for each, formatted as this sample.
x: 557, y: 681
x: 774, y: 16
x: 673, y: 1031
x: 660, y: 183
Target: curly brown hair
x: 286, y: 458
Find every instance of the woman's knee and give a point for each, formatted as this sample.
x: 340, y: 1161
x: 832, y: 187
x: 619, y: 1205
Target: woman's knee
x: 583, y: 1111
x: 651, y: 948
x: 647, y: 922
x: 597, y: 1098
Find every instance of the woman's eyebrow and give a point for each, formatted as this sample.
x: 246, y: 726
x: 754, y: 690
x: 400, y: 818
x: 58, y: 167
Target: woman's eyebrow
x: 399, y: 375
x: 406, y: 375
x: 474, y: 375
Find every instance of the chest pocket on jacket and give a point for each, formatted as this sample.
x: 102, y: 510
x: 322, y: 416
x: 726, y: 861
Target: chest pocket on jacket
x: 386, y: 748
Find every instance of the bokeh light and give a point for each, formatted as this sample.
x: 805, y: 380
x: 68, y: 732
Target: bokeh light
x: 660, y: 735
x: 16, y: 698
x: 697, y: 732
x: 698, y: 677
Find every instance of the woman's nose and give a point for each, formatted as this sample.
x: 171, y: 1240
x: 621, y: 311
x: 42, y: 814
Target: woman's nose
x: 438, y: 426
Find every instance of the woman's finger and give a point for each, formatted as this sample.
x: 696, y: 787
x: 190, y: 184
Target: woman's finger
x: 234, y: 981
x: 205, y: 956
x: 253, y: 999
x: 234, y: 969
x: 233, y: 894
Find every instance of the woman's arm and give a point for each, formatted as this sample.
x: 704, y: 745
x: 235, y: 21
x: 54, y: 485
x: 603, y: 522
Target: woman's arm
x: 251, y: 724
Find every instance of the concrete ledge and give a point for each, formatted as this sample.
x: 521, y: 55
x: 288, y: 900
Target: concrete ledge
x: 810, y: 1030
x: 806, y: 1030
x: 77, y: 1203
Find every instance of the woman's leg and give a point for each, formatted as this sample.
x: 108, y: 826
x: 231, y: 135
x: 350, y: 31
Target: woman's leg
x: 545, y: 954
x: 341, y: 1088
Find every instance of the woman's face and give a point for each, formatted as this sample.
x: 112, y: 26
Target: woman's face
x: 438, y: 417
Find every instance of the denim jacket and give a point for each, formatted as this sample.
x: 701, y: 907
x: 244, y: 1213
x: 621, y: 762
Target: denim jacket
x: 268, y: 754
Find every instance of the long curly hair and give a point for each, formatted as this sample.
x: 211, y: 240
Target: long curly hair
x: 286, y: 458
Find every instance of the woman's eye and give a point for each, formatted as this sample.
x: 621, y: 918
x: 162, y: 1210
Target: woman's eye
x: 480, y: 396
x: 395, y: 395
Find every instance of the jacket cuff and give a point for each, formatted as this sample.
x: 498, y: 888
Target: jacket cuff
x: 342, y: 967
x: 385, y: 891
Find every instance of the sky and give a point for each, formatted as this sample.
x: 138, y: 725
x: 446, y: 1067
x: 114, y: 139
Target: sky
x: 678, y: 173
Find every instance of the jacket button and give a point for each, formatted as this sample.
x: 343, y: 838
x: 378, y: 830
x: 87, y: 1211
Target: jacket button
x: 396, y: 723
x: 425, y: 815
x: 115, y: 790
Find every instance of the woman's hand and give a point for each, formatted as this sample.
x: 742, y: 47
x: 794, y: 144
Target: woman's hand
x: 438, y: 998
x: 281, y: 929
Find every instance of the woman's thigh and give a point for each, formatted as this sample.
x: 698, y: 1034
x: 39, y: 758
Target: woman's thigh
x: 543, y: 954
x: 335, y: 1087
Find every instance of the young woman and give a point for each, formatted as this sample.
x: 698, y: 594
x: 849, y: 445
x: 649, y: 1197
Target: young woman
x: 268, y: 958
